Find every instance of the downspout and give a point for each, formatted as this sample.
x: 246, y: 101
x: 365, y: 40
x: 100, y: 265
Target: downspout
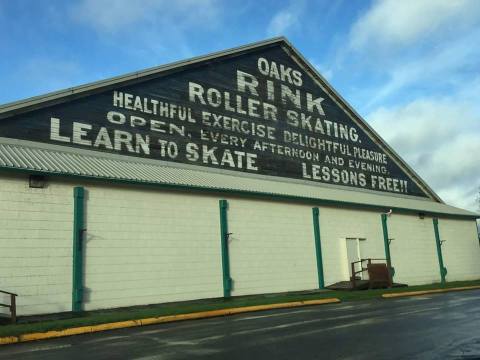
x: 224, y: 235
x: 78, y: 230
x: 318, y: 246
x: 443, y: 269
x: 386, y: 243
x: 477, y: 227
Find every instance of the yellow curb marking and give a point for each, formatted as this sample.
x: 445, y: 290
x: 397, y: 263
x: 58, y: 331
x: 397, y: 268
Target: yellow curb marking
x: 8, y: 340
x: 157, y: 320
x: 426, y: 292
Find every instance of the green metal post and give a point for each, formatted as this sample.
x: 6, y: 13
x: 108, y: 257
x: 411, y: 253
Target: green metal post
x: 227, y: 281
x: 78, y: 229
x: 386, y: 243
x: 443, y: 269
x: 318, y: 246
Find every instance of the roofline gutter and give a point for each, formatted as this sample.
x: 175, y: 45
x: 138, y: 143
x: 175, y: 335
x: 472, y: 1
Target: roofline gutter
x: 258, y: 194
x: 318, y: 247
x: 224, y: 235
x: 439, y: 243
x: 78, y: 248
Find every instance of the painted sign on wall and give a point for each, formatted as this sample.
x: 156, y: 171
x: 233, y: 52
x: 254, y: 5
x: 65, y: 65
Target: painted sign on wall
x: 258, y: 112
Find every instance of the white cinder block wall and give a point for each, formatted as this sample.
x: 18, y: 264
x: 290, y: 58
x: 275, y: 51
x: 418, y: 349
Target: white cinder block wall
x: 461, y: 249
x: 413, y: 249
x: 147, y: 245
x: 142, y: 246
x: 36, y: 245
x: 271, y: 248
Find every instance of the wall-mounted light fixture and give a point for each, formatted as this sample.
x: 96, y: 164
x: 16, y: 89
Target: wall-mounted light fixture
x: 421, y: 215
x: 37, y: 181
x: 389, y: 212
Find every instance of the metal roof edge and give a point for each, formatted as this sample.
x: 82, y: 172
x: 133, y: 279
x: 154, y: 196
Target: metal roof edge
x: 325, y: 202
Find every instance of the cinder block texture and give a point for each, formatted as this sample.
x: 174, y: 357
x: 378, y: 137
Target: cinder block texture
x: 148, y: 245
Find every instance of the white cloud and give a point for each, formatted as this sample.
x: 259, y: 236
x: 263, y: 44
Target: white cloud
x: 326, y: 72
x: 398, y: 23
x: 439, y: 138
x: 106, y: 15
x: 50, y: 74
x: 125, y: 15
x: 281, y: 22
x: 151, y: 31
x: 431, y: 68
x: 426, y: 49
x: 285, y: 20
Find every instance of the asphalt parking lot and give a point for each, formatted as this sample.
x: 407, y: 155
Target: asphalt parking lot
x: 444, y: 326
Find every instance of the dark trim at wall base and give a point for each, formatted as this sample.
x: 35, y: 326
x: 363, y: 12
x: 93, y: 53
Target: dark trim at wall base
x: 224, y: 235
x: 264, y: 195
x: 386, y: 243
x: 78, y: 231
x: 443, y: 269
x: 318, y: 246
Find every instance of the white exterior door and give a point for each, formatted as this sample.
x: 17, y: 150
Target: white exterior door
x: 353, y: 255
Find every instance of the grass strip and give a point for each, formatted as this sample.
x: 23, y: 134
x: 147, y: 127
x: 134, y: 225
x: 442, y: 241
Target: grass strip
x: 122, y: 314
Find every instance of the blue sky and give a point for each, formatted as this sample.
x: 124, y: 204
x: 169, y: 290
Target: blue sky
x: 411, y: 68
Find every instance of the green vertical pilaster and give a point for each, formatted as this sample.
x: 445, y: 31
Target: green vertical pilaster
x: 227, y: 281
x: 78, y: 229
x: 318, y: 246
x: 443, y: 269
x: 386, y: 243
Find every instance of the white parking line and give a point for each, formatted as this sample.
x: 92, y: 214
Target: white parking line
x: 36, y: 349
x: 149, y: 332
x: 103, y: 339
x: 417, y: 311
x: 272, y: 315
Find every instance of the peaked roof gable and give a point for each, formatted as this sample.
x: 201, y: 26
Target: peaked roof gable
x: 368, y: 154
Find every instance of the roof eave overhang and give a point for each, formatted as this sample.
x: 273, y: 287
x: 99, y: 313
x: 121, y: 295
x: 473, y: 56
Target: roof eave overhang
x: 257, y: 194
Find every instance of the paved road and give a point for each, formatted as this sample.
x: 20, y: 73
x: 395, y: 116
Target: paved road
x: 445, y: 326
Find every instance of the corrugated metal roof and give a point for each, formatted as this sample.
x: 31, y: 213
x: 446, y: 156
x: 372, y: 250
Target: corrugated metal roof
x: 61, y: 160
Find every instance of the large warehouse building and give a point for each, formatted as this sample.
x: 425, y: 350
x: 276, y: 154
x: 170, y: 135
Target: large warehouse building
x: 241, y: 172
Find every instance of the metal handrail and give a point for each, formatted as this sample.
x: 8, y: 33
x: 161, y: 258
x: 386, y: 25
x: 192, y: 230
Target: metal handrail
x: 12, y: 306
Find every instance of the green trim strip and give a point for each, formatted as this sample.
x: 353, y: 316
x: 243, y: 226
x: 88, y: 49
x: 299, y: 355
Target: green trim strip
x: 318, y: 246
x: 224, y: 235
x: 270, y: 196
x: 386, y: 243
x: 443, y: 269
x: 78, y: 229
